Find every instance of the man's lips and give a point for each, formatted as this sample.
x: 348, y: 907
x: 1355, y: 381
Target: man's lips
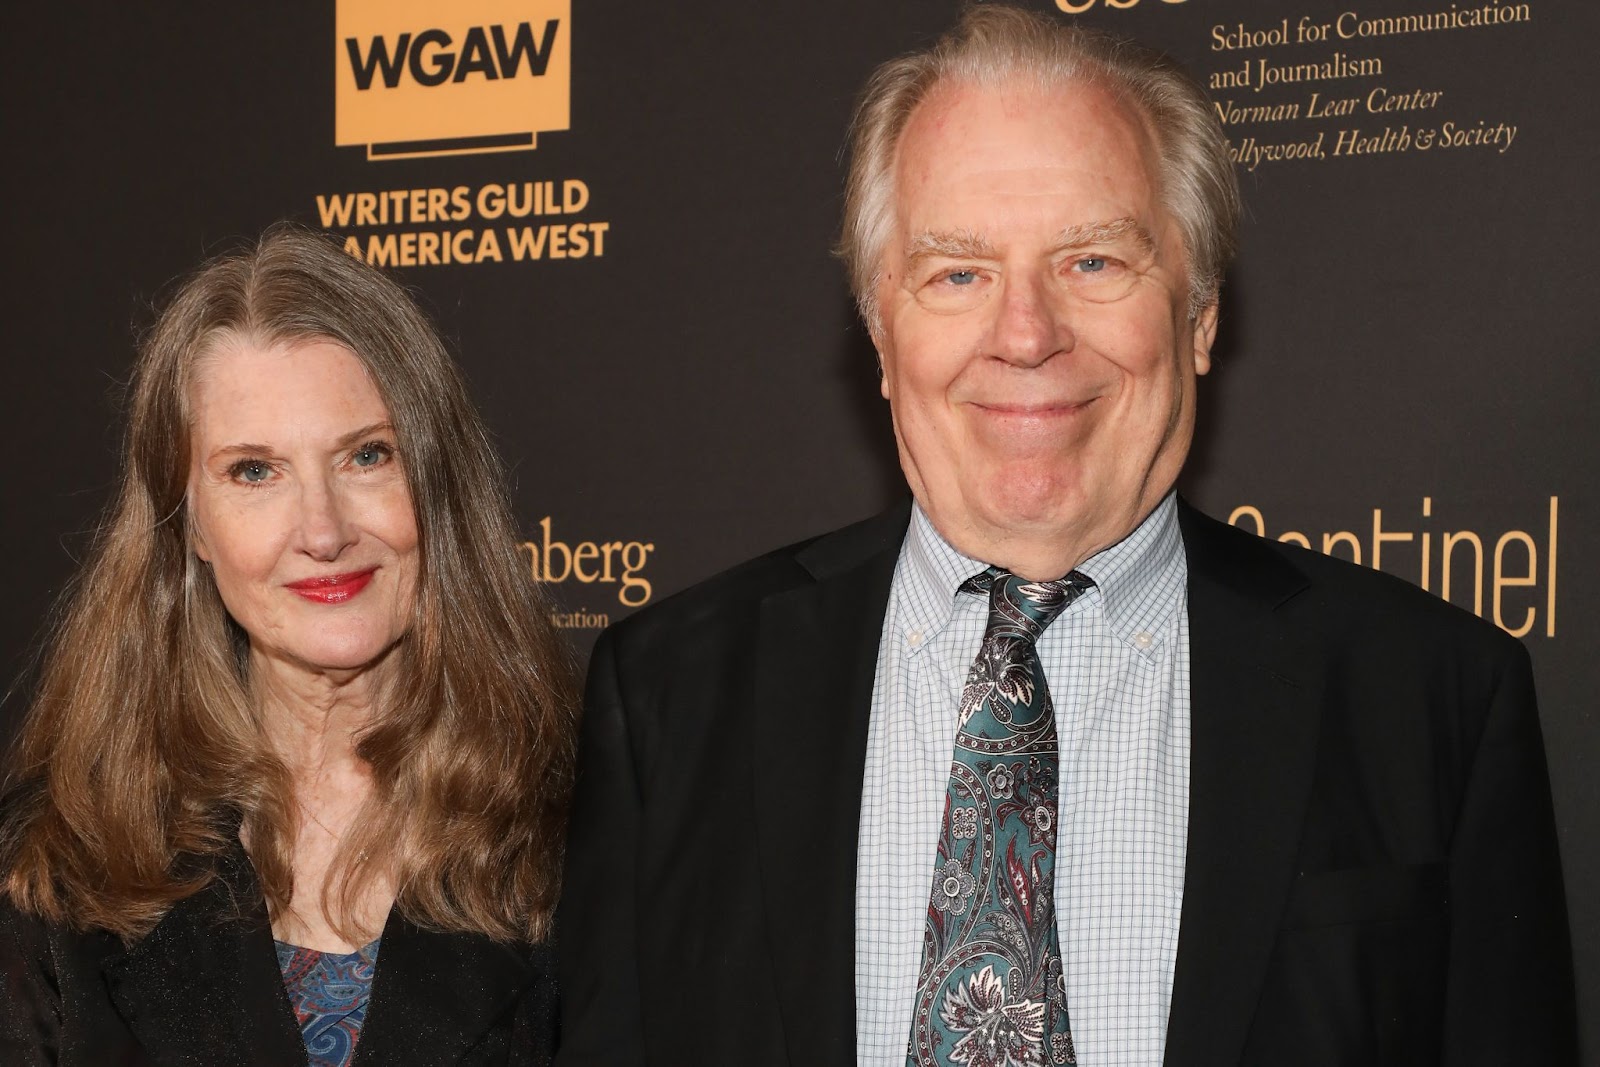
x: 1030, y: 424
x: 332, y: 588
x: 1030, y: 409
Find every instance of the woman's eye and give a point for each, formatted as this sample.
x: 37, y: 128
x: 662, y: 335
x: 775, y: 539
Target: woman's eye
x: 371, y: 454
x: 250, y: 471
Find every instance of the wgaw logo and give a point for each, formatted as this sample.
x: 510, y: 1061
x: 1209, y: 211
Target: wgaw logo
x: 442, y: 77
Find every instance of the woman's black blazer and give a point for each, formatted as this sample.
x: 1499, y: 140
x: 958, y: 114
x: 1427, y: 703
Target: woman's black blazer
x: 203, y: 988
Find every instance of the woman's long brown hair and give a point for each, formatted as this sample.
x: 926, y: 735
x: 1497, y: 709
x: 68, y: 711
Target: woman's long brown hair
x: 143, y: 751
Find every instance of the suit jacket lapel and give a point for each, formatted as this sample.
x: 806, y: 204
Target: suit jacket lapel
x: 435, y: 995
x: 1255, y: 710
x: 816, y: 657
x: 204, y: 985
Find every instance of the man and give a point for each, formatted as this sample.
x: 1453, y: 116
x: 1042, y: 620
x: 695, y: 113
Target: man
x: 1047, y: 767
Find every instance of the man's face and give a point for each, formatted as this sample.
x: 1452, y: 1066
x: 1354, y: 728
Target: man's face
x: 1038, y: 355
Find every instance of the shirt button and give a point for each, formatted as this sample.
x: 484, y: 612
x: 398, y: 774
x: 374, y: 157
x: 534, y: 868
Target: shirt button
x: 914, y: 638
x: 1142, y: 641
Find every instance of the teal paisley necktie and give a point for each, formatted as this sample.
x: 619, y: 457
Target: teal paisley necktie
x: 991, y: 992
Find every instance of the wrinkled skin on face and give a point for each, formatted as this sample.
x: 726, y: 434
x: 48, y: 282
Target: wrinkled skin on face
x: 297, y: 477
x: 1038, y: 353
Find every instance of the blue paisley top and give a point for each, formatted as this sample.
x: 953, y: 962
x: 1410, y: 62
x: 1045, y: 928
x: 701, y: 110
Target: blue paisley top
x: 329, y: 993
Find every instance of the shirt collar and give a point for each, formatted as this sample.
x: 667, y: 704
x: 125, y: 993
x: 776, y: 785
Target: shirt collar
x: 1141, y: 578
x: 932, y: 572
x: 1139, y: 581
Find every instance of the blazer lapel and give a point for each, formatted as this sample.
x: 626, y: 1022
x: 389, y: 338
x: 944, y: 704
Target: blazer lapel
x: 204, y: 985
x: 1255, y: 710
x: 817, y: 654
x: 435, y: 995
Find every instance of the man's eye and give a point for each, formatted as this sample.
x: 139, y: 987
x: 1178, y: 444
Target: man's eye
x: 250, y: 471
x: 1091, y: 265
x: 961, y: 277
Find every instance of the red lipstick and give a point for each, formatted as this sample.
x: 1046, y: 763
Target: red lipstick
x: 333, y: 588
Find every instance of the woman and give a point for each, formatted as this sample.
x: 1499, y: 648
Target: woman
x: 295, y: 779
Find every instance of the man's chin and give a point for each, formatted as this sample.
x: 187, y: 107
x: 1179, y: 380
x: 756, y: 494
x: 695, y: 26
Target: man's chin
x: 1032, y: 503
x: 990, y: 527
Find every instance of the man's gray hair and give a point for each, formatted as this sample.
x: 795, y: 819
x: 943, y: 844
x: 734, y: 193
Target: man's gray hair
x: 994, y: 44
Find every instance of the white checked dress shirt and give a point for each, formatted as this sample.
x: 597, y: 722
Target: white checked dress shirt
x: 1117, y: 662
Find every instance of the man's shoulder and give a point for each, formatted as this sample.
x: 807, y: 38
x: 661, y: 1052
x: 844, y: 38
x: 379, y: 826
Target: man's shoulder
x: 733, y: 597
x: 1343, y: 598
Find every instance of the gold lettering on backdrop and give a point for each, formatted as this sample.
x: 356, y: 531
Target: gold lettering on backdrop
x: 1344, y: 537
x: 419, y: 78
x: 1350, y: 24
x: 1232, y: 38
x: 1379, y: 537
x: 1251, y: 153
x: 1501, y: 579
x: 1308, y: 70
x: 531, y: 208
x: 1337, y: 67
x: 1381, y: 100
x: 587, y: 562
x: 1319, y: 108
x: 1427, y: 543
x: 1451, y: 135
x: 582, y: 619
x: 1232, y: 114
x: 1078, y: 7
x: 1353, y: 143
x: 1451, y: 540
x: 1512, y: 564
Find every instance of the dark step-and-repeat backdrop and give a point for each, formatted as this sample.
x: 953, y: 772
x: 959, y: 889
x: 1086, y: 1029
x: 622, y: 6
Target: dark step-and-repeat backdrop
x: 621, y: 215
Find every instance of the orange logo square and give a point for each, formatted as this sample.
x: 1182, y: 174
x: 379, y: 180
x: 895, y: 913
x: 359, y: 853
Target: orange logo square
x: 423, y: 78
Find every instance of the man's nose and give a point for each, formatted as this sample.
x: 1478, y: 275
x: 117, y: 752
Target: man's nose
x: 1029, y: 326
x: 325, y: 527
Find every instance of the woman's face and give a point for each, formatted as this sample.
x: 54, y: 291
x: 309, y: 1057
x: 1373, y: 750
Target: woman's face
x: 299, y: 503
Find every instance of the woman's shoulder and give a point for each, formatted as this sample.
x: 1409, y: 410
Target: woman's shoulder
x: 30, y: 981
x: 23, y: 933
x: 26, y: 936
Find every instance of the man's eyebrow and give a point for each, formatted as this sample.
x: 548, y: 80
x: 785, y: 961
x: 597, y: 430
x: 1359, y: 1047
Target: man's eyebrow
x: 1102, y: 233
x: 962, y: 244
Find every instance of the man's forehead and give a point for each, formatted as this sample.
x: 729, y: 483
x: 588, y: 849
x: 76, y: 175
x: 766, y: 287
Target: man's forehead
x: 964, y: 107
x: 963, y: 129
x: 1072, y: 153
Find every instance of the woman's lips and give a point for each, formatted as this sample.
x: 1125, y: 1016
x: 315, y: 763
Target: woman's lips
x: 332, y: 588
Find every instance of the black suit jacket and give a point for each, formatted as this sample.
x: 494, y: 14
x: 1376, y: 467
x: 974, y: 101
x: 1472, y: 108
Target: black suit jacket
x: 203, y: 989
x: 1372, y: 874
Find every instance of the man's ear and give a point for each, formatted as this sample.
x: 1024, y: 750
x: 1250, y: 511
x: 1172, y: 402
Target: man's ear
x: 875, y: 332
x: 871, y: 318
x: 1205, y: 333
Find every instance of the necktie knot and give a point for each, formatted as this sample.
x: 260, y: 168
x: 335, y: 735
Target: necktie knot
x: 1021, y: 608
